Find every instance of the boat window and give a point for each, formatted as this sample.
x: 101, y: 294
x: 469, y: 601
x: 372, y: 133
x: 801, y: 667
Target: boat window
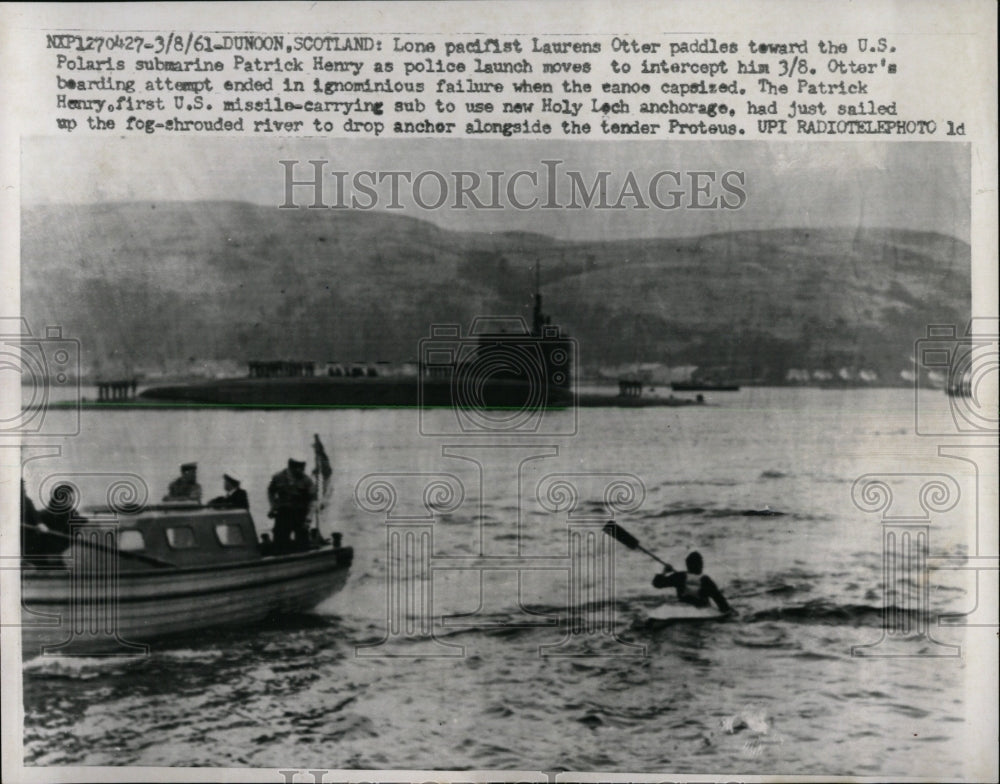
x: 131, y: 540
x: 230, y: 535
x: 181, y: 537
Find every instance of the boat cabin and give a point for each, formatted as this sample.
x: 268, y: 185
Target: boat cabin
x: 185, y: 535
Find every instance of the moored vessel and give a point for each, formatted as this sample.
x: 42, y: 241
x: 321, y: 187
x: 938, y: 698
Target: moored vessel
x: 704, y: 386
x: 501, y: 363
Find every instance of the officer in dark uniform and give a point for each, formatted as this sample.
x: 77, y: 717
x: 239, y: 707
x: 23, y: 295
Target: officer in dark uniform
x: 185, y: 487
x: 291, y: 495
x: 29, y: 515
x: 235, y: 497
x: 31, y: 535
x: 48, y: 534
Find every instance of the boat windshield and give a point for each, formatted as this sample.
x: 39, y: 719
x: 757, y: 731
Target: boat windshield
x: 181, y: 537
x: 230, y: 535
x: 131, y: 540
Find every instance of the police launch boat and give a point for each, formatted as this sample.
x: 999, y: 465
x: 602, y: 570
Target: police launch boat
x: 170, y: 569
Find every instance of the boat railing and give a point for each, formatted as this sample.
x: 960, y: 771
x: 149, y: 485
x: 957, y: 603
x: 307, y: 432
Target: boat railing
x: 164, y: 506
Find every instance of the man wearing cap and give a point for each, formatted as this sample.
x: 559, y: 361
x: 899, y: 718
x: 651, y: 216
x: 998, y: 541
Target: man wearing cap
x: 185, y: 487
x: 291, y: 494
x: 235, y: 497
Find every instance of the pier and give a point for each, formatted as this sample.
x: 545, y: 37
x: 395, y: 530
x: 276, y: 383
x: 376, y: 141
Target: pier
x: 282, y: 369
x: 124, y: 389
x: 629, y: 388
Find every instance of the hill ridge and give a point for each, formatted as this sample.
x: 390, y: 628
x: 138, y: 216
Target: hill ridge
x: 167, y: 287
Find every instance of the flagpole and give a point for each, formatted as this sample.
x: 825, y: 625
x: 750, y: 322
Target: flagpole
x: 319, y: 495
x: 316, y: 502
x: 323, y: 473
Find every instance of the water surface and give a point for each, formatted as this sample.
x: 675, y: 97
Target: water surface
x: 774, y: 691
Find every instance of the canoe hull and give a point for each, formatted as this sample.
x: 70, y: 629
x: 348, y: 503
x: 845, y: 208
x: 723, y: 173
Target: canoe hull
x: 675, y: 612
x: 65, y: 613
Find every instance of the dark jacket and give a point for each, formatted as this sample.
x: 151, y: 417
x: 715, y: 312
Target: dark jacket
x: 55, y: 540
x: 182, y: 489
x: 696, y: 589
x: 234, y: 500
x: 290, y: 495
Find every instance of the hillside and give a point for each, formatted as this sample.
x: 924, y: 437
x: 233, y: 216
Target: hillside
x: 166, y: 287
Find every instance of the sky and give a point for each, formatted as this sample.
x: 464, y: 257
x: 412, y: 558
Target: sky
x: 865, y: 183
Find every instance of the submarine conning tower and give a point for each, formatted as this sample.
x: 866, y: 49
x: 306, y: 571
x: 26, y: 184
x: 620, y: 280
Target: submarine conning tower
x: 538, y: 318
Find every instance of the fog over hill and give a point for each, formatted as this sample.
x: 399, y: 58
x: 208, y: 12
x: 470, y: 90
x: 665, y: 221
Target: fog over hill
x: 166, y: 287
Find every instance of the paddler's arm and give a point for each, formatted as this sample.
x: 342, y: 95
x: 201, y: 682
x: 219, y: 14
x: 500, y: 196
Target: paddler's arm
x: 668, y: 578
x: 711, y: 590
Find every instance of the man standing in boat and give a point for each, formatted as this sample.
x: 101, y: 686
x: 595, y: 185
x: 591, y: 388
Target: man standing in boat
x: 291, y: 494
x: 185, y: 487
x: 235, y: 496
x: 692, y: 586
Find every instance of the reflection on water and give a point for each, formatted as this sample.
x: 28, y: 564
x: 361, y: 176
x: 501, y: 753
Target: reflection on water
x: 775, y: 690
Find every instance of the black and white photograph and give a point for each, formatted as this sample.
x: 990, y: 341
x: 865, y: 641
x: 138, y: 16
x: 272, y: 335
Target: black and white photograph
x: 555, y: 485
x: 495, y: 459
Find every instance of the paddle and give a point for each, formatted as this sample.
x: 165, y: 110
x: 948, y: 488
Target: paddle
x: 97, y: 546
x: 621, y: 535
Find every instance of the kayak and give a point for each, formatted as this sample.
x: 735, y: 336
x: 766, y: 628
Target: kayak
x: 678, y: 612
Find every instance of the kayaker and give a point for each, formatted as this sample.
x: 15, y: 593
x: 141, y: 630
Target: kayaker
x: 185, y: 487
x: 692, y: 586
x: 291, y: 494
x: 235, y: 496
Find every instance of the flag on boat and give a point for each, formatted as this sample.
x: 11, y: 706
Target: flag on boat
x: 323, y: 470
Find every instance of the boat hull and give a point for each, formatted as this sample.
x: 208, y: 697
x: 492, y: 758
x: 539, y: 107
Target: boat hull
x: 64, y: 614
